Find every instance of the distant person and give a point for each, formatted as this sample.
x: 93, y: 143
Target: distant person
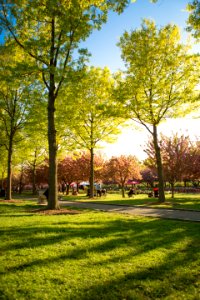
x: 64, y: 187
x: 131, y: 192
x: 156, y: 191
x: 98, y: 189
x: 150, y: 194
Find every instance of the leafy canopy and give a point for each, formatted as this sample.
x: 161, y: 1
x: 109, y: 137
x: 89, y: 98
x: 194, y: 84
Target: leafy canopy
x: 193, y: 20
x: 87, y: 106
x: 161, y: 74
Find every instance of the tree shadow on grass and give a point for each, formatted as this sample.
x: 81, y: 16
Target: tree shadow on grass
x: 17, y: 208
x: 155, y: 282
x: 151, y: 234
x: 125, y: 245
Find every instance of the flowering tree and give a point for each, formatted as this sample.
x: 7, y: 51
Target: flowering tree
x: 120, y: 169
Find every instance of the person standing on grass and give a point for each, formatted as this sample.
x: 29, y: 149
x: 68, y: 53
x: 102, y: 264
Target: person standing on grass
x: 156, y: 191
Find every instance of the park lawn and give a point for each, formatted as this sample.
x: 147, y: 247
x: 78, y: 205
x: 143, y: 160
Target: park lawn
x: 95, y: 255
x: 180, y: 201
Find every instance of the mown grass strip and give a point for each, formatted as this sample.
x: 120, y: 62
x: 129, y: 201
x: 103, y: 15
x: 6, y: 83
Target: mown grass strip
x: 93, y: 255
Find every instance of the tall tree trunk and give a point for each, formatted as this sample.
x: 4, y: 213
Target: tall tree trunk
x: 2, y: 179
x: 53, y: 193
x: 21, y: 186
x: 172, y: 186
x: 77, y: 186
x: 9, y: 171
x: 34, y: 190
x: 53, y: 189
x: 67, y: 189
x: 159, y: 165
x: 91, y: 173
x: 123, y: 191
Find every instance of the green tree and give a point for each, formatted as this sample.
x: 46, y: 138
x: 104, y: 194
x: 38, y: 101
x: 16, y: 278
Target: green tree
x: 16, y: 90
x: 14, y: 107
x: 50, y: 32
x: 12, y: 120
x: 33, y: 154
x: 36, y: 143
x: 193, y: 19
x: 90, y: 119
x: 160, y: 79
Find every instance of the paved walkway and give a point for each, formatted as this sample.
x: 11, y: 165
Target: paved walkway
x: 176, y: 214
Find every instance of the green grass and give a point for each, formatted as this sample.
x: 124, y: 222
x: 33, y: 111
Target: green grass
x: 95, y: 255
x: 181, y: 201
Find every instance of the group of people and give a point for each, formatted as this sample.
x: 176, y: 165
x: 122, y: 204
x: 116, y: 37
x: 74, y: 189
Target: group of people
x: 98, y: 191
x: 155, y: 192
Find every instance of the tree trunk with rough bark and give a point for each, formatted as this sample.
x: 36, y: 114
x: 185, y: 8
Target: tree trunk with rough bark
x: 91, y: 173
x: 53, y: 193
x: 53, y: 189
x: 123, y: 191
x: 9, y: 171
x: 34, y: 190
x: 172, y: 186
x: 159, y: 165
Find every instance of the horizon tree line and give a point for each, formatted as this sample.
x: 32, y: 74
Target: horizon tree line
x: 180, y: 155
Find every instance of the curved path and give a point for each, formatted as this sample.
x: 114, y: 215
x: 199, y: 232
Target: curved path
x: 177, y: 214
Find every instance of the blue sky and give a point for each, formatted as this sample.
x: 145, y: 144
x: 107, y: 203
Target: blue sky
x: 102, y: 44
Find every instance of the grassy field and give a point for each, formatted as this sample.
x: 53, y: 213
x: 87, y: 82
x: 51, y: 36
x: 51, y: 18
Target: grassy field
x: 181, y: 201
x: 95, y: 255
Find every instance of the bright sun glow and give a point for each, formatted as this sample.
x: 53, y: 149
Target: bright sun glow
x: 133, y: 141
